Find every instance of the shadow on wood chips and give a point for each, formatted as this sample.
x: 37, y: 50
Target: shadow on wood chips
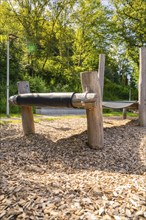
x: 121, y: 152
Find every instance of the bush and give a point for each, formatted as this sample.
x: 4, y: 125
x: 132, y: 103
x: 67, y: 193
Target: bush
x: 37, y: 84
x: 13, y: 91
x: 114, y: 92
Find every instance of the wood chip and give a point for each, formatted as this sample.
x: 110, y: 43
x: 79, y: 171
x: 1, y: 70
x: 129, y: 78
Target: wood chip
x: 54, y: 175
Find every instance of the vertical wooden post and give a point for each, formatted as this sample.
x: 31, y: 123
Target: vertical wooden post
x: 142, y: 87
x: 90, y: 83
x: 101, y: 68
x: 26, y: 111
x: 124, y: 113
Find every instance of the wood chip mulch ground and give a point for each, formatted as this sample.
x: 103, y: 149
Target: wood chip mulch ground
x: 54, y: 175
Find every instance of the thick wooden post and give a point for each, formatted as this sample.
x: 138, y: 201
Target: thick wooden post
x: 26, y: 111
x: 90, y: 83
x: 101, y: 68
x: 124, y: 113
x: 142, y: 87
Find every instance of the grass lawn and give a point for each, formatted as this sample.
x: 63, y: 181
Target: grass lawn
x: 36, y: 116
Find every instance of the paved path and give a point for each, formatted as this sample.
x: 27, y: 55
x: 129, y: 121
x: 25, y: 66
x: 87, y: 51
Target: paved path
x: 60, y: 111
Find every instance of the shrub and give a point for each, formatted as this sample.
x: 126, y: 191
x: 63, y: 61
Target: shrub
x: 37, y: 84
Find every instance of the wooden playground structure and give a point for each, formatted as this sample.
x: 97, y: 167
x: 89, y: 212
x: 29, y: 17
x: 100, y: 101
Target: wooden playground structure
x: 90, y: 99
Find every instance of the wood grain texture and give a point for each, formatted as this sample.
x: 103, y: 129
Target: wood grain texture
x: 124, y: 113
x: 26, y: 111
x: 142, y: 88
x: 101, y: 68
x: 90, y: 83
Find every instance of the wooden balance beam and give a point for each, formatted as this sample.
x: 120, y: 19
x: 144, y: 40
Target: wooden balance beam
x: 90, y: 99
x: 58, y: 100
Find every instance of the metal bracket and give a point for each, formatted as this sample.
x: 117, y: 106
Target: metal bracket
x: 13, y: 100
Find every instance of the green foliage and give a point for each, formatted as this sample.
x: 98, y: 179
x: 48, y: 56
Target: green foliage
x: 129, y: 21
x: 59, y: 39
x: 12, y: 91
x: 37, y: 84
x: 115, y: 92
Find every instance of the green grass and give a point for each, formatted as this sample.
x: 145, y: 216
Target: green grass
x: 110, y: 114
x: 11, y: 116
x: 38, y: 118
x: 9, y: 120
x: 4, y: 122
x: 63, y: 117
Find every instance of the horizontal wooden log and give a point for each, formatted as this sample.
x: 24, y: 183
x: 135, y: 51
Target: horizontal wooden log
x: 68, y: 100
